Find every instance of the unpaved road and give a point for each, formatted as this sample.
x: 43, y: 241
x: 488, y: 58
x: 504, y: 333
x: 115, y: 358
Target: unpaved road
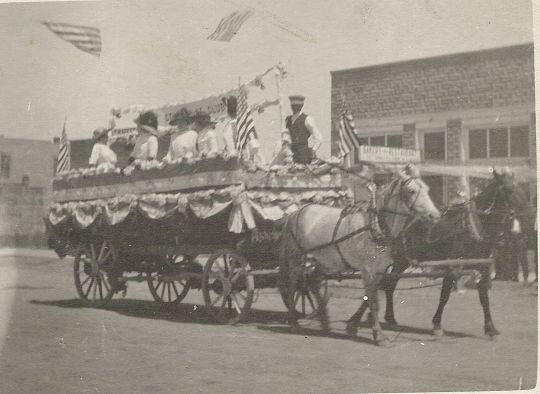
x: 54, y: 345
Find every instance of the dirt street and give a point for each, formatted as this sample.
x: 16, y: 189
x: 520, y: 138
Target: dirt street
x: 54, y: 345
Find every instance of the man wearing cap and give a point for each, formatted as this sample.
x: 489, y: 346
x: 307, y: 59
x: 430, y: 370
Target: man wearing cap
x: 303, y: 133
x: 101, y: 153
x: 207, y: 140
x: 184, y: 139
x: 146, y: 144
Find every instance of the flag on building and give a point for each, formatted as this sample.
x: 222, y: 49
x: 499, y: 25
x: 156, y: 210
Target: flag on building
x: 348, y: 137
x: 245, y: 125
x: 229, y: 26
x: 64, y: 153
x: 87, y: 39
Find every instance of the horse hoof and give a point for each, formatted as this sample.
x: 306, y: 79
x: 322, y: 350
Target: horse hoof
x: 384, y: 342
x: 438, y: 332
x: 351, y: 330
x: 392, y: 322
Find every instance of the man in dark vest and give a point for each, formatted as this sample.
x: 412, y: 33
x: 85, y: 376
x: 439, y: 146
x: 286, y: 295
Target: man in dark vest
x: 303, y: 136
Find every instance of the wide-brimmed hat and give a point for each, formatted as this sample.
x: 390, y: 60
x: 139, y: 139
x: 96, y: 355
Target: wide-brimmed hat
x: 100, y: 132
x: 297, y: 99
x: 181, y: 116
x: 148, y: 121
x: 203, y: 118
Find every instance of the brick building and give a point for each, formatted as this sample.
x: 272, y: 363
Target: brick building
x: 474, y: 108
x: 26, y: 171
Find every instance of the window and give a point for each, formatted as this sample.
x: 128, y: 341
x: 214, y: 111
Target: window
x: 377, y: 141
x: 519, y: 141
x: 499, y: 142
x: 4, y: 165
x: 435, y: 146
x: 477, y: 144
x: 394, y: 141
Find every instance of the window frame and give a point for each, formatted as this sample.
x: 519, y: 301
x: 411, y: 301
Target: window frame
x: 422, y: 140
x: 486, y: 129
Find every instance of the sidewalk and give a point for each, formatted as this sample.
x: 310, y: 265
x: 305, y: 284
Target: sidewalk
x: 22, y: 252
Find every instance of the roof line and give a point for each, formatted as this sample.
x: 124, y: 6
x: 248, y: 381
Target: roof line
x: 439, y: 57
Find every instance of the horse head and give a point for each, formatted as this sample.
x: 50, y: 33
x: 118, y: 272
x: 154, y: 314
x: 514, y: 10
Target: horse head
x: 406, y: 199
x: 503, y: 202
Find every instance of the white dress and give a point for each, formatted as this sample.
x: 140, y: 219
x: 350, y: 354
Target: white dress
x: 183, y: 145
x: 146, y: 147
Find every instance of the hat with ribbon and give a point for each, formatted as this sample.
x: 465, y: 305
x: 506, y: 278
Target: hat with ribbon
x: 100, y: 132
x: 148, y: 121
x: 203, y: 118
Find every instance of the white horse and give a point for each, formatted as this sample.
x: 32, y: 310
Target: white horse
x: 340, y: 241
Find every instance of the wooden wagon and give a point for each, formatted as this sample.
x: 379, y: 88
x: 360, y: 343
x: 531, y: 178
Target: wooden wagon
x: 210, y: 225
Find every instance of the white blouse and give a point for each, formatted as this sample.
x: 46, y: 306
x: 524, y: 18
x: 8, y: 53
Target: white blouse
x: 183, y: 145
x: 146, y: 147
x: 207, y: 143
x: 102, y: 154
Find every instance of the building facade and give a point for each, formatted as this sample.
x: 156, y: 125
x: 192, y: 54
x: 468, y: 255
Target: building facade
x: 475, y: 108
x: 26, y: 172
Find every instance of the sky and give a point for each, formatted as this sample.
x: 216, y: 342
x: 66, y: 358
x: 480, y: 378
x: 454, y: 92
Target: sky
x: 156, y: 52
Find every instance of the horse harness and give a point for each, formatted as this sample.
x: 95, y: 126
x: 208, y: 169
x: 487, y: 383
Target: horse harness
x: 379, y: 234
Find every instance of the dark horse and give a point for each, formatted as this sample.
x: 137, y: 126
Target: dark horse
x: 471, y: 229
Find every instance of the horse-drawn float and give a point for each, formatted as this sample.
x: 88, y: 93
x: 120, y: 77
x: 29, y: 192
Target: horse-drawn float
x: 209, y: 225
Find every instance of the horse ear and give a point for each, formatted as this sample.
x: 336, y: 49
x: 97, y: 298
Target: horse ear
x: 402, y: 172
x: 412, y: 171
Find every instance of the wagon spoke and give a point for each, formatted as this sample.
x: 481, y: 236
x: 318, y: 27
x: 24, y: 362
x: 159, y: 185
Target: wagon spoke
x: 169, y: 290
x: 303, y: 302
x: 85, y: 281
x: 101, y: 251
x: 107, y: 288
x: 236, y: 305
x: 216, y: 300
x: 175, y: 290
x: 296, y: 297
x: 308, y: 296
x: 92, y: 252
x: 89, y: 288
x: 100, y: 288
x: 162, y: 291
x: 160, y: 282
x: 95, y: 290
x: 241, y: 295
x: 235, y: 276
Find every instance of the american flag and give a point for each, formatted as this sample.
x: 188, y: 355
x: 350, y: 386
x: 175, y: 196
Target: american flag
x: 64, y: 153
x: 229, y: 26
x: 87, y: 39
x: 348, y: 137
x: 246, y: 125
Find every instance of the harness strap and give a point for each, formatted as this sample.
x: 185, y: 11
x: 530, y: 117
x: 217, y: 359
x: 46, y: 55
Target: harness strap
x: 336, y: 244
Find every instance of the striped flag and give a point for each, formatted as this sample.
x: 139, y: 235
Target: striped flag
x: 229, y: 26
x: 245, y: 125
x: 348, y: 137
x: 87, y: 39
x: 64, y: 153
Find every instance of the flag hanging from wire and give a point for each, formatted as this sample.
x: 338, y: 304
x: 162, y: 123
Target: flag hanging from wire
x: 245, y: 125
x: 64, y: 152
x: 229, y: 26
x: 87, y: 39
x: 348, y: 137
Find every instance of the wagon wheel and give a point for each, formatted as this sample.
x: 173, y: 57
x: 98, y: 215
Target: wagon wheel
x: 305, y: 301
x: 92, y: 263
x: 227, y: 286
x: 165, y: 286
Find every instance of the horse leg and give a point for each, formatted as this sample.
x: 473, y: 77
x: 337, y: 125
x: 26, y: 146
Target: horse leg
x: 447, y: 284
x: 483, y: 288
x: 389, y: 285
x: 371, y: 293
x: 314, y: 284
x: 352, y: 323
x: 524, y: 261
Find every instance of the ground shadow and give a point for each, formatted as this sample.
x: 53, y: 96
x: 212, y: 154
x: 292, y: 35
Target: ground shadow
x: 415, y: 330
x: 181, y: 313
